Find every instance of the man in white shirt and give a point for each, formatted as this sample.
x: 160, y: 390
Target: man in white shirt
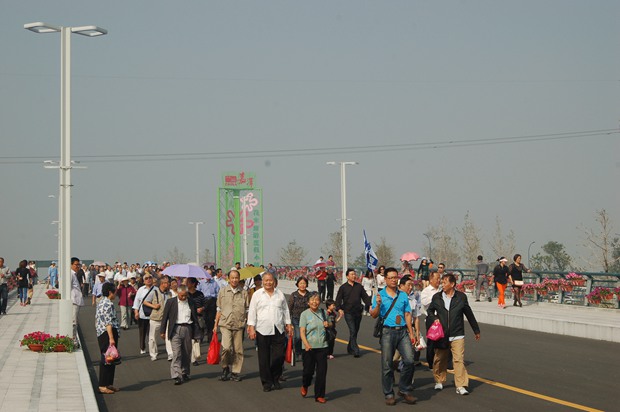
x: 221, y: 279
x: 269, y: 321
x: 139, y: 313
x: 179, y: 323
x: 425, y: 297
x: 76, y: 294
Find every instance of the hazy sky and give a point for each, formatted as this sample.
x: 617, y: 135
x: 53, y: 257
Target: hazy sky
x: 222, y: 77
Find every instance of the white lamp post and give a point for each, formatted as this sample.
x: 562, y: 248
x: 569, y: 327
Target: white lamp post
x: 64, y: 262
x: 343, y: 200
x: 197, y: 242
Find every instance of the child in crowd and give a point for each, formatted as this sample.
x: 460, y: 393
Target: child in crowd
x: 332, y: 317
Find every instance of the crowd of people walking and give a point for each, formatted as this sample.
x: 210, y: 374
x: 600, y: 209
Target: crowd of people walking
x: 182, y: 312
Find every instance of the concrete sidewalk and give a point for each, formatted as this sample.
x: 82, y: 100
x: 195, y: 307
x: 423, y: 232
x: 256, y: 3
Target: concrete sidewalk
x: 31, y: 381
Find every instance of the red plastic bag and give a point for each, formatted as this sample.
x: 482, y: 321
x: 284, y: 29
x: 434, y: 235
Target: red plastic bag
x: 288, y: 357
x: 435, y: 332
x: 111, y: 355
x: 213, y: 356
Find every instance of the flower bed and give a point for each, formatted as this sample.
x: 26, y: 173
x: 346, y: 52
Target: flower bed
x: 41, y: 341
x: 468, y: 285
x: 53, y: 294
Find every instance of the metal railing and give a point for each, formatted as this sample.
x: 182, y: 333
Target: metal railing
x: 576, y: 296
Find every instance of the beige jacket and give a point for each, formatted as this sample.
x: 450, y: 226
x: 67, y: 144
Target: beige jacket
x: 233, y: 306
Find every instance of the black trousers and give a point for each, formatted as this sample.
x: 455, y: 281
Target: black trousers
x: 106, y: 372
x: 210, y: 313
x: 330, y: 289
x: 271, y: 350
x: 322, y: 289
x: 315, y: 359
x: 4, y: 297
x: 143, y: 327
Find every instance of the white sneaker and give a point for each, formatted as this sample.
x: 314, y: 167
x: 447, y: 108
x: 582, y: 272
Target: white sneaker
x: 438, y: 386
x: 461, y: 391
x: 142, y: 352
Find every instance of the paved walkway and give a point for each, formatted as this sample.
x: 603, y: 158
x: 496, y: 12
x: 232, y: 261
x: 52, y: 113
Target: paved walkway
x: 31, y: 381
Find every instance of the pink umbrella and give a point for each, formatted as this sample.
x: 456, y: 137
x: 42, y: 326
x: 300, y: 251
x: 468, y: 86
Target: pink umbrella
x: 320, y: 265
x: 409, y: 256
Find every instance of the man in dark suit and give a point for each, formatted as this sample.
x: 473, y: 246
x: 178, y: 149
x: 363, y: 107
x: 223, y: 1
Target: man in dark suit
x: 180, y: 322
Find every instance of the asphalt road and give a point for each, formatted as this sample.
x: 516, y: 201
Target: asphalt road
x: 510, y: 370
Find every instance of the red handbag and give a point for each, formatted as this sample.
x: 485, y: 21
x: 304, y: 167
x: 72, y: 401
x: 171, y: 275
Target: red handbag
x: 213, y: 356
x: 288, y: 357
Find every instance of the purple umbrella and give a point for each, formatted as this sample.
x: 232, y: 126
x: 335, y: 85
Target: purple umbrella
x: 186, y: 271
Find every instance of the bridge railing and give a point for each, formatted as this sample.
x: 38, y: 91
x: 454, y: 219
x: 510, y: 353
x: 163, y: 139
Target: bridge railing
x: 582, y: 288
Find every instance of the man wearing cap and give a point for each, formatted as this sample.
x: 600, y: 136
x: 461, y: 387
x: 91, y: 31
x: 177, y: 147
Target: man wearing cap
x: 126, y: 293
x: 139, y: 310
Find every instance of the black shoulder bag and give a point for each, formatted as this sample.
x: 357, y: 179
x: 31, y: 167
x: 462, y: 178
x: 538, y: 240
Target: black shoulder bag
x: 146, y: 309
x: 378, y: 331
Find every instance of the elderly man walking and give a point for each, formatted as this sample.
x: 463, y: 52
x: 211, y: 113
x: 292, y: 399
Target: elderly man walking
x: 232, y: 306
x: 268, y: 320
x: 157, y: 301
x: 180, y: 324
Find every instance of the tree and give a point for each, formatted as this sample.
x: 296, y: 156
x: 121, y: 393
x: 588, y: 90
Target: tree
x: 471, y: 241
x: 555, y: 258
x: 292, y: 254
x: 502, y: 245
x: 360, y: 261
x: 333, y: 246
x: 207, y: 256
x: 176, y: 256
x: 446, y: 248
x: 615, y: 255
x: 385, y: 252
x: 599, y: 242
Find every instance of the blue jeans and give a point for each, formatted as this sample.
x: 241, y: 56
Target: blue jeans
x: 390, y: 341
x: 54, y: 281
x: 353, y: 323
x: 23, y: 294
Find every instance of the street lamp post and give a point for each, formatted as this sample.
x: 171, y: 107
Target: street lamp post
x: 343, y: 200
x: 430, y: 249
x: 528, y: 254
x: 65, y: 316
x: 197, y: 242
x: 214, y: 250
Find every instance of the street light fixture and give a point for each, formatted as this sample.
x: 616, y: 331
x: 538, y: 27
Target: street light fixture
x: 430, y: 249
x: 343, y: 199
x: 65, y: 312
x: 528, y: 254
x: 197, y: 242
x: 214, y: 250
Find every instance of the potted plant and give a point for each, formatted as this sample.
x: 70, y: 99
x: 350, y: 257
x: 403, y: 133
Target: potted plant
x: 53, y: 294
x: 575, y: 279
x: 35, y: 340
x: 58, y: 343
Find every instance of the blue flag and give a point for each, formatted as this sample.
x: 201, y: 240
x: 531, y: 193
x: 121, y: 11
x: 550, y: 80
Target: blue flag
x: 371, y: 258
